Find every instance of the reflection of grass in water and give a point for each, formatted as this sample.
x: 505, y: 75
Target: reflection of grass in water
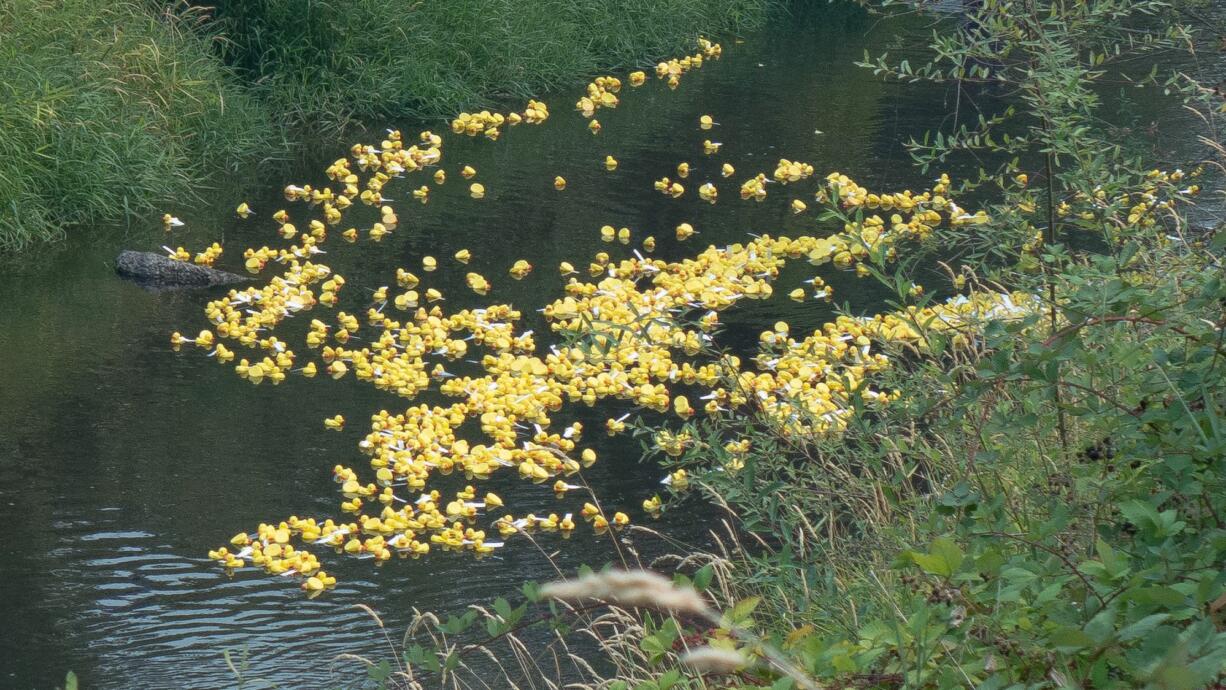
x: 126, y: 109
x: 338, y: 61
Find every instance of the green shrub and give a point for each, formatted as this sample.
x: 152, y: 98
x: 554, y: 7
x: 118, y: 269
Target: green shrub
x: 125, y: 111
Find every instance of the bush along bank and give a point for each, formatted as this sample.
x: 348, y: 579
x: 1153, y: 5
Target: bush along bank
x: 143, y: 102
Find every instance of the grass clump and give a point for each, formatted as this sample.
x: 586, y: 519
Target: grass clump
x: 325, y: 63
x: 123, y: 110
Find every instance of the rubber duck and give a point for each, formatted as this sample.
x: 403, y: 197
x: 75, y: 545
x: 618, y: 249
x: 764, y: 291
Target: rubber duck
x: 520, y: 269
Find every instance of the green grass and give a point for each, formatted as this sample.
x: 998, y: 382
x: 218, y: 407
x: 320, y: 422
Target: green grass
x: 125, y: 111
x: 325, y: 62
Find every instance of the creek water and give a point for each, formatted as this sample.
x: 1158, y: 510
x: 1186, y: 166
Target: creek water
x: 123, y: 462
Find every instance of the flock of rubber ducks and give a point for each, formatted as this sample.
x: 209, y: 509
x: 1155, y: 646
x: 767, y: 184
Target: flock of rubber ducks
x: 637, y: 328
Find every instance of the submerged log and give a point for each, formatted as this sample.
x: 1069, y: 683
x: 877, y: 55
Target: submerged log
x: 159, y: 271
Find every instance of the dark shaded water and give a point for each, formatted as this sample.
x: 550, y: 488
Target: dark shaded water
x: 122, y: 463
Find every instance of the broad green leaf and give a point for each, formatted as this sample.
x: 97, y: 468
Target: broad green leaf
x: 1068, y: 640
x: 1142, y: 627
x: 943, y: 561
x: 702, y: 578
x: 743, y: 609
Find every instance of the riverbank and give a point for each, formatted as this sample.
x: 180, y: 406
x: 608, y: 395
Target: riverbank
x: 143, y: 103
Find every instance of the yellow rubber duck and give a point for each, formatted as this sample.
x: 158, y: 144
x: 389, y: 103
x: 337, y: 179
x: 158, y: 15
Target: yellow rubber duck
x: 477, y: 283
x: 610, y: 163
x: 520, y: 269
x: 588, y: 457
x: 406, y: 279
x: 559, y: 183
x: 681, y: 405
x: 463, y: 256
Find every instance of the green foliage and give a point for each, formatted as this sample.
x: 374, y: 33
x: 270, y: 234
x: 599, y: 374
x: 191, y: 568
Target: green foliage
x: 122, y: 112
x: 324, y: 63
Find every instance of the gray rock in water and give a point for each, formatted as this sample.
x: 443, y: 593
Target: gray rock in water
x: 159, y: 271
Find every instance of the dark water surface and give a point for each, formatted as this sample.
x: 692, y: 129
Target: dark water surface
x: 122, y: 463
